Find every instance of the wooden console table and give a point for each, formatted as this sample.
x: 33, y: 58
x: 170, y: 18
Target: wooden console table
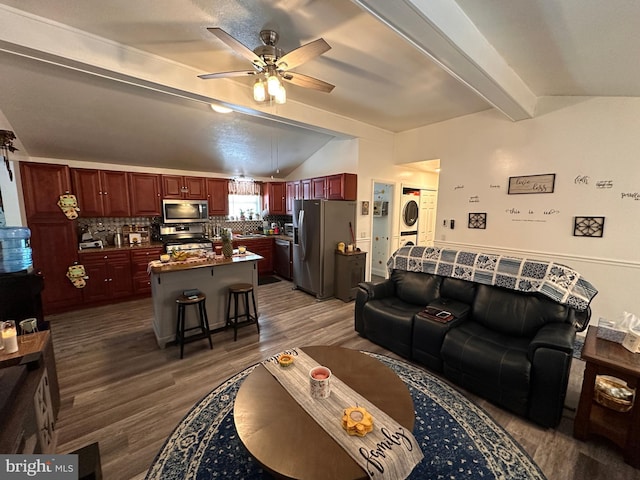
x: 604, y: 357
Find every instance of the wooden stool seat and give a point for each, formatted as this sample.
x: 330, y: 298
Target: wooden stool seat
x: 203, y: 326
x: 235, y: 291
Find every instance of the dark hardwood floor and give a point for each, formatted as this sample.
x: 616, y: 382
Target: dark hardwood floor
x: 119, y: 389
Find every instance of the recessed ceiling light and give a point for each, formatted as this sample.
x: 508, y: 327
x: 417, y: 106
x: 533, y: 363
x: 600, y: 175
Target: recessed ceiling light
x: 220, y: 109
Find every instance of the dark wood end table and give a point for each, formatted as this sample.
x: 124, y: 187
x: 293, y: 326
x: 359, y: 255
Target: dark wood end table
x: 604, y: 357
x: 286, y: 441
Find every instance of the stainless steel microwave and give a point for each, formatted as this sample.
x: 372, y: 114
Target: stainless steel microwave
x: 185, y: 211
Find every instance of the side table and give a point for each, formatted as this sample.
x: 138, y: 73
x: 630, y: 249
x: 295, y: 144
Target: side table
x: 604, y: 357
x: 349, y: 272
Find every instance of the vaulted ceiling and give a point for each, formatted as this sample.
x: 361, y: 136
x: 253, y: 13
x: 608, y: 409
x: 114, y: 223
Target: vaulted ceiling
x: 116, y: 81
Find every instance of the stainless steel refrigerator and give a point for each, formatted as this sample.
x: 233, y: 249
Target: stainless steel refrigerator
x: 318, y: 227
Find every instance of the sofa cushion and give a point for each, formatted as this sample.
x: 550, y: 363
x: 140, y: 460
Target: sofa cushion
x: 416, y: 288
x: 514, y: 313
x: 488, y: 363
x: 456, y: 289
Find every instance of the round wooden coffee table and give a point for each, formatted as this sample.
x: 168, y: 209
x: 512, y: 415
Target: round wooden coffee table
x: 287, y: 442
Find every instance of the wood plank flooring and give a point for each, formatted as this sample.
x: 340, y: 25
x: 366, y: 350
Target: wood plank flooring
x: 119, y: 389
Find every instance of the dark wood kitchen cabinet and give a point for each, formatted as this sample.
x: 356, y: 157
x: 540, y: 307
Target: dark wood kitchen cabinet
x: 318, y: 188
x: 53, y: 236
x: 275, y: 197
x: 109, y: 275
x: 101, y: 193
x: 343, y: 186
x: 145, y: 194
x: 305, y: 189
x: 139, y: 261
x: 184, y: 187
x: 218, y: 196
x: 294, y: 192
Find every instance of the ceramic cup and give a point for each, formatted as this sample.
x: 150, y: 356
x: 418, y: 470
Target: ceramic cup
x: 319, y: 381
x: 242, y: 249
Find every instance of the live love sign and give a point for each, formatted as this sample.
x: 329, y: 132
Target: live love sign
x: 532, y: 184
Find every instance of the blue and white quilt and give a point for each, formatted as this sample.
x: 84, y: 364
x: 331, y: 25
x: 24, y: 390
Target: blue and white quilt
x: 558, y: 282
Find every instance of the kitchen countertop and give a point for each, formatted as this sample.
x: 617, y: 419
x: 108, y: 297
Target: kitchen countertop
x: 125, y: 248
x: 237, y: 238
x: 158, y: 267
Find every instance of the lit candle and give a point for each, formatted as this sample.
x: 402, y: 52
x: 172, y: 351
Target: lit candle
x: 10, y: 336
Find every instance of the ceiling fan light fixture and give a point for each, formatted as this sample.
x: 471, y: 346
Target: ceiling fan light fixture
x: 259, y: 92
x: 273, y: 85
x: 281, y: 95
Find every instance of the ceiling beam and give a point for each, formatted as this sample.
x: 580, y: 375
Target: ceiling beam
x: 441, y: 30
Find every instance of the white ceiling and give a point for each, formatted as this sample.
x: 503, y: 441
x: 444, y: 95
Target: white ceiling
x: 396, y: 65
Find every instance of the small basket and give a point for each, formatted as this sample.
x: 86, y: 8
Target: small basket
x: 613, y: 393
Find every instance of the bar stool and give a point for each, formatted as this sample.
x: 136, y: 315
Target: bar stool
x: 198, y: 300
x: 232, y: 320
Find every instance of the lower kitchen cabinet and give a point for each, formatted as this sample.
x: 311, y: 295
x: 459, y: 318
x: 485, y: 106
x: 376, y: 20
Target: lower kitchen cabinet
x: 109, y: 275
x: 139, y: 261
x: 349, y: 272
x: 282, y: 258
x: 260, y: 246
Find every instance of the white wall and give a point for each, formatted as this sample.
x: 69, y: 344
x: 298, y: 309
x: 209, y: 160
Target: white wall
x: 583, y: 141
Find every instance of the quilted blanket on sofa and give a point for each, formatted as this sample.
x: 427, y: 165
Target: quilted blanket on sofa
x: 558, y: 282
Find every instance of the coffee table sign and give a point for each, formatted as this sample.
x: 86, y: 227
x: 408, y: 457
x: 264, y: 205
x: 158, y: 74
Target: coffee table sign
x: 389, y: 451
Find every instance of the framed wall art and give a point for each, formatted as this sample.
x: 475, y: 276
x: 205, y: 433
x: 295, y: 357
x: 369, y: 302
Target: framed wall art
x: 478, y: 220
x: 588, y: 226
x: 532, y: 184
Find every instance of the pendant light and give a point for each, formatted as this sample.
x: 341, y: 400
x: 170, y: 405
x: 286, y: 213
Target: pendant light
x: 259, y: 92
x: 273, y: 85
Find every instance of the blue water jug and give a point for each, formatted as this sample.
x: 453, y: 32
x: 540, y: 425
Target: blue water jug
x: 15, y: 249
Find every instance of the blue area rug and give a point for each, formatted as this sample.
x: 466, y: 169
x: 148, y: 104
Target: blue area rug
x: 459, y: 440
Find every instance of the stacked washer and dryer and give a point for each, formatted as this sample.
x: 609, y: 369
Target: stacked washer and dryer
x: 409, y: 216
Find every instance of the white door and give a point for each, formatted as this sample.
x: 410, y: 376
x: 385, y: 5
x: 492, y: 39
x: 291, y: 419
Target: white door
x: 427, y: 217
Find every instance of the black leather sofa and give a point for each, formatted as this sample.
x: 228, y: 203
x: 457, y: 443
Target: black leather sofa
x: 510, y: 347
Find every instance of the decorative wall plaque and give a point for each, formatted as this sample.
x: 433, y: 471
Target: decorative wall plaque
x: 588, y: 226
x: 478, y: 220
x: 532, y: 184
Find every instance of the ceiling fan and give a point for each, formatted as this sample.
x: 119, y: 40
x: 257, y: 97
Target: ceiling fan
x: 272, y: 64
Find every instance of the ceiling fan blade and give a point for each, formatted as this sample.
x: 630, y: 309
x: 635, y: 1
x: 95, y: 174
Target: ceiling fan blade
x: 307, y: 82
x: 237, y: 73
x: 303, y: 54
x: 237, y: 47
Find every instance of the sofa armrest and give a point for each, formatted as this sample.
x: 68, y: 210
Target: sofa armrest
x: 377, y: 290
x: 557, y: 336
x: 370, y: 291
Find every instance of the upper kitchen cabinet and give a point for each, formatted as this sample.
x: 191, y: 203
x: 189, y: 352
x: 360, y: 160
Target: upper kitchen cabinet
x: 343, y: 186
x: 101, y: 193
x: 318, y: 188
x: 305, y: 186
x: 218, y: 196
x: 144, y: 194
x: 42, y: 185
x: 275, y: 198
x: 182, y: 187
x: 294, y: 192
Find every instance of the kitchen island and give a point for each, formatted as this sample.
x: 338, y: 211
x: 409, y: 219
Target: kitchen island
x: 211, y: 276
